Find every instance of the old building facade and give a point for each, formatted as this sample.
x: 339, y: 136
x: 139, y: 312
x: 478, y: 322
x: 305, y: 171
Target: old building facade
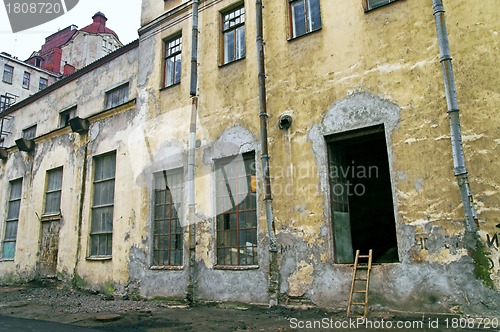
x: 165, y: 193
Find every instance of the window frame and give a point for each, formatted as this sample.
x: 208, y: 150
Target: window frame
x: 9, y: 219
x: 367, y: 7
x: 172, y: 50
x: 233, y: 29
x: 6, y: 74
x: 235, y: 243
x: 120, y: 99
x: 44, y: 85
x: 57, y: 191
x: 307, y: 19
x: 4, y: 102
x: 161, y: 256
x: 26, y: 80
x: 30, y: 132
x: 66, y: 115
x: 101, y: 231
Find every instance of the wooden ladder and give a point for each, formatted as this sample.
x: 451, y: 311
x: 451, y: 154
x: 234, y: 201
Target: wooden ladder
x: 361, y: 277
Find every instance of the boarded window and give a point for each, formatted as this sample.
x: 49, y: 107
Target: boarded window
x: 167, y: 231
x: 173, y: 49
x: 101, y: 232
x: 372, y: 4
x: 14, y: 205
x: 305, y: 17
x: 8, y: 73
x: 117, y: 96
x: 233, y: 30
x: 236, y: 211
x: 53, y: 192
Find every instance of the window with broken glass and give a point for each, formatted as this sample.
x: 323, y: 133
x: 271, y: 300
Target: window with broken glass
x: 117, y: 96
x: 173, y: 49
x: 305, y: 17
x: 65, y: 116
x: 167, y: 230
x: 53, y: 191
x: 101, y: 232
x: 14, y: 205
x: 236, y: 211
x: 30, y: 132
x: 8, y: 73
x: 233, y: 30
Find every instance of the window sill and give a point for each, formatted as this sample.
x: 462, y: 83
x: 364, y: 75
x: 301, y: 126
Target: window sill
x: 236, y: 267
x: 51, y: 217
x: 7, y: 82
x: 99, y: 258
x: 170, y: 86
x: 170, y: 267
x: 6, y: 260
x: 231, y: 62
x: 305, y: 34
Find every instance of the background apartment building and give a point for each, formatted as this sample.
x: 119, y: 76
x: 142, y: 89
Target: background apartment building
x: 359, y: 150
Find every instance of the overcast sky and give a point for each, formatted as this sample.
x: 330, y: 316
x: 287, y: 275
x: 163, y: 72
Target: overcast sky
x: 123, y: 18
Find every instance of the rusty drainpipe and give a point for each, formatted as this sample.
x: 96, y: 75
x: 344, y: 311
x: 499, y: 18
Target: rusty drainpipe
x: 454, y: 116
x: 191, y: 157
x: 273, y: 287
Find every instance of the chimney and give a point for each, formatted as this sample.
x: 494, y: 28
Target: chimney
x: 99, y: 18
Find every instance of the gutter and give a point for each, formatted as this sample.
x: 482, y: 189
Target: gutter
x: 454, y: 116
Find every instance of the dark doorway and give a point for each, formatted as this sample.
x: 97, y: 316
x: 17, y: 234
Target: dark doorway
x: 361, y: 196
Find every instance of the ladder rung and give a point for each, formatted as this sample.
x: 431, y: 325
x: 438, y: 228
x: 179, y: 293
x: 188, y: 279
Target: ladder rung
x: 363, y: 279
x: 359, y: 291
x: 358, y: 303
x: 364, y: 256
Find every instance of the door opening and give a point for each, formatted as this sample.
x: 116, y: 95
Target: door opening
x: 361, y: 196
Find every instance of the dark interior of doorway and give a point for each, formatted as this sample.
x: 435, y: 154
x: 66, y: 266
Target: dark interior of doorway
x: 370, y: 203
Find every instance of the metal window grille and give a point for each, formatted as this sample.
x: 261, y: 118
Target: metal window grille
x: 26, y: 80
x: 167, y: 231
x: 53, y: 191
x: 14, y: 205
x: 233, y: 30
x: 305, y: 17
x: 8, y: 73
x: 101, y: 232
x: 236, y: 211
x: 117, y: 96
x: 173, y: 49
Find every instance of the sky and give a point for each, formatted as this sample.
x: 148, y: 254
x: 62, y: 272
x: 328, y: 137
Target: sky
x: 123, y: 18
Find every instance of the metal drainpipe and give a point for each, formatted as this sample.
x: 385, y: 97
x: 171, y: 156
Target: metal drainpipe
x: 80, y: 207
x: 453, y: 113
x: 191, y: 157
x: 273, y: 247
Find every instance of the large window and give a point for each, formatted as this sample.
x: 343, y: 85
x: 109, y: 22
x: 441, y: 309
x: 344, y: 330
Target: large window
x: 53, y: 192
x: 8, y: 73
x: 236, y: 211
x: 30, y: 132
x: 26, y: 80
x: 305, y: 16
x: 233, y: 30
x: 43, y: 83
x: 117, y: 96
x: 14, y: 205
x: 101, y: 230
x: 167, y: 231
x: 173, y: 49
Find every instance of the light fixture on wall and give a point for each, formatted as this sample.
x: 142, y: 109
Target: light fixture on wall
x: 79, y: 125
x: 25, y: 145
